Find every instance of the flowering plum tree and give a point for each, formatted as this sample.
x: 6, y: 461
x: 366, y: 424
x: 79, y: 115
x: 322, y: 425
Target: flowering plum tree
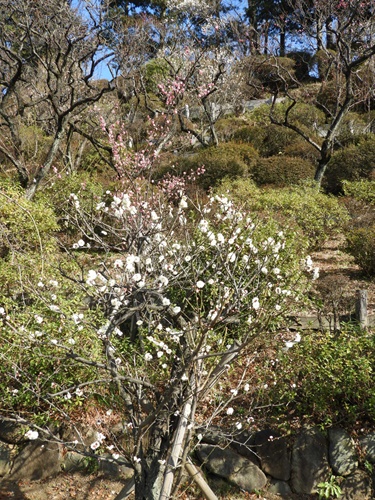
x: 178, y: 293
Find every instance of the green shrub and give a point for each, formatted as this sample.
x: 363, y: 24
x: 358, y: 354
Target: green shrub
x: 351, y: 129
x: 302, y: 149
x: 29, y: 365
x: 327, y: 378
x: 155, y: 72
x: 228, y: 127
x: 352, y: 163
x: 302, y: 61
x: 324, y: 61
x: 360, y: 244
x: 282, y: 170
x: 83, y: 184
x: 269, y: 141
x: 360, y: 190
x: 225, y: 160
x: 306, y: 115
x: 271, y: 72
x: 316, y: 215
x: 253, y: 134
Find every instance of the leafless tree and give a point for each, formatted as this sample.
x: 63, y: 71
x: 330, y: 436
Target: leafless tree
x: 350, y: 31
x: 48, y: 58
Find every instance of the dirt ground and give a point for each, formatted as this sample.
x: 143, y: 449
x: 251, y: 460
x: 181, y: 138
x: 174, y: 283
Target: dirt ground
x: 63, y: 487
x: 341, y: 275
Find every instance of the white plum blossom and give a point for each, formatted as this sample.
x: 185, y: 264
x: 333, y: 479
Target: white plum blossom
x: 200, y: 284
x: 148, y: 356
x: 91, y: 277
x: 255, y: 303
x: 95, y: 445
x: 32, y: 435
x: 289, y: 344
x: 163, y: 280
x: 183, y: 203
x: 100, y: 437
x: 230, y: 411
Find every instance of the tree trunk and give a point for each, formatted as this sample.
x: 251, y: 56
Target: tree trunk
x: 320, y: 171
x: 178, y: 444
x: 149, y: 477
x: 330, y: 39
x: 45, y: 168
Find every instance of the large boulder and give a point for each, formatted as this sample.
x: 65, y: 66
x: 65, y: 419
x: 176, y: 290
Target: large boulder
x: 309, y: 461
x: 235, y: 469
x: 12, y: 432
x: 356, y: 487
x: 5, y: 459
x: 272, y: 450
x: 342, y: 455
x: 367, y: 443
x: 37, y: 460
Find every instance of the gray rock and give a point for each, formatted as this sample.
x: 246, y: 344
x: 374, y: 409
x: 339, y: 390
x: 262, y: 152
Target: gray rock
x: 5, y: 459
x: 231, y: 466
x: 309, y: 461
x: 281, y: 488
x: 115, y: 468
x: 367, y: 443
x: 215, y: 435
x: 74, y: 462
x: 342, y: 455
x: 356, y: 487
x: 37, y: 460
x: 272, y: 449
x: 243, y: 443
x: 80, y: 436
x: 11, y: 432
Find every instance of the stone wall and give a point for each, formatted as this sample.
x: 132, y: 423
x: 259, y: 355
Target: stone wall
x: 297, y: 464
x: 264, y: 460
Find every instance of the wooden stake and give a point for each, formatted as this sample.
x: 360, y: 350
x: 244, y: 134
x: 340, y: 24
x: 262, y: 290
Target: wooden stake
x: 361, y: 308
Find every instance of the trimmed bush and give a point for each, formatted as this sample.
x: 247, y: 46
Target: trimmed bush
x: 323, y: 59
x: 361, y: 190
x: 269, y: 141
x: 302, y: 149
x: 225, y: 160
x: 315, y: 215
x: 282, y: 170
x: 271, y: 72
x: 360, y: 244
x: 325, y: 378
x: 351, y: 163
